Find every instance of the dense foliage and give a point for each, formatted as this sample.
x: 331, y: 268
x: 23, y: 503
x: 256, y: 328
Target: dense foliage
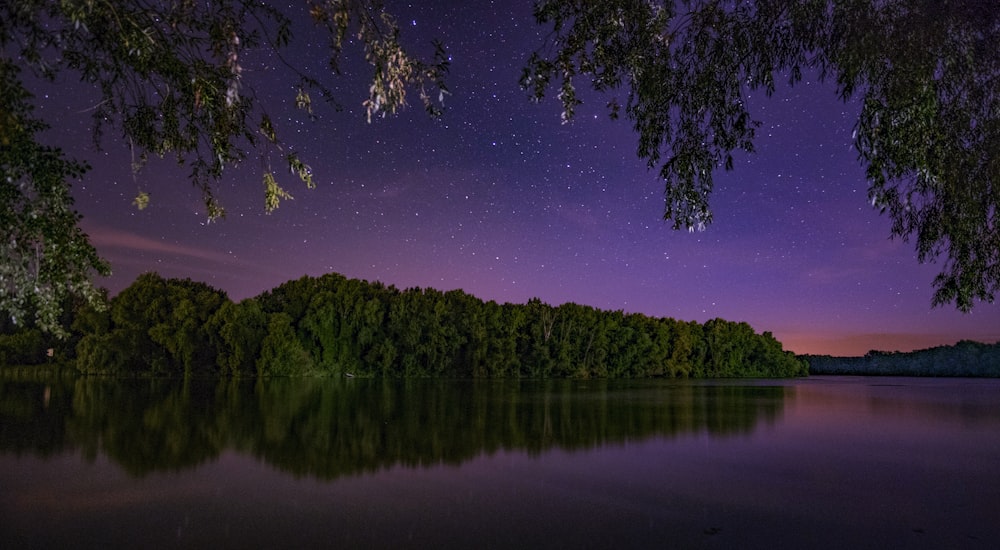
x: 156, y: 326
x: 169, y: 77
x: 332, y: 325
x: 45, y: 259
x: 965, y: 358
x: 926, y: 72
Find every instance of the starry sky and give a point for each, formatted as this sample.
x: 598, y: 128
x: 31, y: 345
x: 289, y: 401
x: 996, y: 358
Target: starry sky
x: 501, y: 200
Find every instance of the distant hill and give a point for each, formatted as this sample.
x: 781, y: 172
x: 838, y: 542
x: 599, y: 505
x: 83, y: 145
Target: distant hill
x: 966, y: 358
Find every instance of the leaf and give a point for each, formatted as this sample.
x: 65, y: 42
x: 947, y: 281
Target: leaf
x: 141, y: 200
x: 273, y: 193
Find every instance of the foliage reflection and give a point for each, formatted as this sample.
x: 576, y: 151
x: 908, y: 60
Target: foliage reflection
x: 330, y: 428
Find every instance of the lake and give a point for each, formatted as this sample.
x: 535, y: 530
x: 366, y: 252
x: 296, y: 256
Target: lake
x: 819, y: 462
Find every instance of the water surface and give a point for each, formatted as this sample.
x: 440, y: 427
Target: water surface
x: 828, y: 462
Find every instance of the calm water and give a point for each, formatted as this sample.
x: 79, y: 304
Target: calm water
x: 824, y: 462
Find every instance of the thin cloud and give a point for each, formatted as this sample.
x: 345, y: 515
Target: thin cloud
x: 104, y: 238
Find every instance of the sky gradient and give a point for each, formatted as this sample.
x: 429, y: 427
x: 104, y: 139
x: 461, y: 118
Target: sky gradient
x: 501, y: 200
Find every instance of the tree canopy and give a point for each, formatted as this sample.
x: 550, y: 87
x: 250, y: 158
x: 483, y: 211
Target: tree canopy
x: 335, y: 326
x: 170, y: 78
x: 927, y: 73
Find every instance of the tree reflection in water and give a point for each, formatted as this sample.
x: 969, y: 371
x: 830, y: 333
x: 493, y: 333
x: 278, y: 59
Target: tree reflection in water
x: 332, y: 428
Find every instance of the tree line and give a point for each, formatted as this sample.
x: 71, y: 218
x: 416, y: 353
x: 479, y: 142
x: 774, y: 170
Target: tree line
x: 335, y: 326
x: 171, y: 81
x: 965, y: 358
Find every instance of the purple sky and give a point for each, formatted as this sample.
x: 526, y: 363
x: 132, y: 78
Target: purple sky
x: 499, y: 199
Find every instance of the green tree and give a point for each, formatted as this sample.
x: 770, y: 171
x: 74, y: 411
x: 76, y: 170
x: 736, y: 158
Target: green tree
x: 927, y: 74
x: 171, y: 80
x: 185, y: 331
x: 157, y: 326
x: 238, y: 330
x: 281, y: 353
x: 24, y: 347
x: 322, y: 324
x: 45, y: 259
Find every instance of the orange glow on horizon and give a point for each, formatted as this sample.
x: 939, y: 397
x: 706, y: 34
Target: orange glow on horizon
x: 847, y: 345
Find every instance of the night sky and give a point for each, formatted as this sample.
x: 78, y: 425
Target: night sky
x: 500, y: 199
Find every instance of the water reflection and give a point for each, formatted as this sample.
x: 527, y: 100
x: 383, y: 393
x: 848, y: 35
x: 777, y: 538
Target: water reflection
x: 333, y: 428
x: 904, y: 401
x: 823, y: 462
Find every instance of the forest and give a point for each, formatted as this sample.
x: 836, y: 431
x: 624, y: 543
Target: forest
x: 966, y: 358
x: 335, y: 326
